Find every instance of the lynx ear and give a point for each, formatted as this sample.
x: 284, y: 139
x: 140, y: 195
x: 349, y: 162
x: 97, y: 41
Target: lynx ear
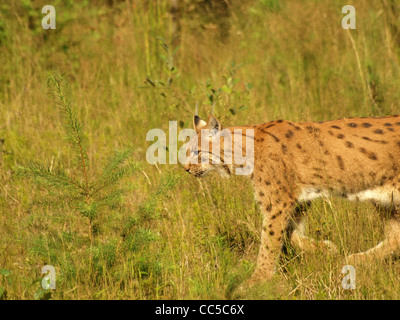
x: 198, y: 123
x: 213, y: 123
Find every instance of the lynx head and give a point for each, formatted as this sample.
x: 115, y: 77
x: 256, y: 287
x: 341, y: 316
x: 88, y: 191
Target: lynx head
x: 202, y: 158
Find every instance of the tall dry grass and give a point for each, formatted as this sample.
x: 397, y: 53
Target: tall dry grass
x: 174, y: 236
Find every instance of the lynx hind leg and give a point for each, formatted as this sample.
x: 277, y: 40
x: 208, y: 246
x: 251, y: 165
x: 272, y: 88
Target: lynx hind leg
x: 308, y: 244
x: 387, y: 199
x: 384, y: 249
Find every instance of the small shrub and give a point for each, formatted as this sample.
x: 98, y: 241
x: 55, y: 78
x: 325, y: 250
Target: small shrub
x: 87, y: 194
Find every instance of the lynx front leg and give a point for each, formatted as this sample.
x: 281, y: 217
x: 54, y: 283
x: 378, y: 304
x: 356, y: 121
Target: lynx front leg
x: 275, y: 222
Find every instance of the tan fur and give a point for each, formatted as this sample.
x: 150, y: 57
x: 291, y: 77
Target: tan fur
x: 294, y: 163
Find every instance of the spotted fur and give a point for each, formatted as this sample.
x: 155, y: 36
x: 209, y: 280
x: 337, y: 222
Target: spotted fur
x: 295, y: 163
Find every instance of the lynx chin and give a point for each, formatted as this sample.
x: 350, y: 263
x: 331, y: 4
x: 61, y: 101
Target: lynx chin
x: 295, y: 163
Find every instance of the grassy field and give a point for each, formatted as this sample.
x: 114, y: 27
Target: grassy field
x: 169, y: 235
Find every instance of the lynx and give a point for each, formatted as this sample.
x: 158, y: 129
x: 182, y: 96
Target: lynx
x: 295, y: 163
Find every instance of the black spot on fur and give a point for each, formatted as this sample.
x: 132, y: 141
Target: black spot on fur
x: 352, y: 125
x: 340, y: 162
x: 289, y: 134
x: 366, y: 125
x: 387, y: 124
x: 372, y: 156
x: 378, y: 131
x: 340, y: 136
x: 294, y: 126
x: 273, y: 136
x: 349, y: 144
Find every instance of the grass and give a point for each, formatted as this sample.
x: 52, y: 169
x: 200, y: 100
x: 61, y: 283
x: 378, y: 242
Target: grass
x: 173, y: 236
